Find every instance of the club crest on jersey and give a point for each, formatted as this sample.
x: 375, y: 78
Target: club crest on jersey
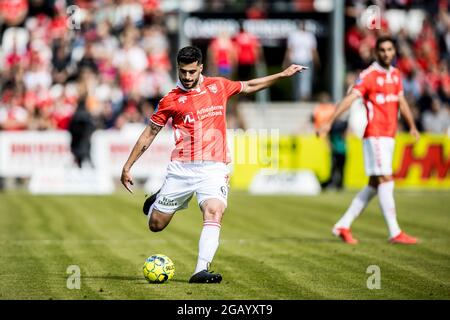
x: 212, y: 88
x: 395, y: 79
x: 380, y: 81
x: 182, y: 99
x: 189, y: 117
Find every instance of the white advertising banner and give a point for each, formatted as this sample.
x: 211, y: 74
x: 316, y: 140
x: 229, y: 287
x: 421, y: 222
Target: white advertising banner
x: 298, y: 182
x: 23, y: 153
x: 45, y: 157
x: 110, y: 150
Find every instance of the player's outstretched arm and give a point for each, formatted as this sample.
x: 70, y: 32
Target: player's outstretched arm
x: 405, y: 110
x: 143, y: 143
x: 257, y: 84
x: 343, y: 106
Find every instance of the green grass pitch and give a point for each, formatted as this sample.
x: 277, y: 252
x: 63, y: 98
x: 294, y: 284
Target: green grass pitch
x: 277, y: 247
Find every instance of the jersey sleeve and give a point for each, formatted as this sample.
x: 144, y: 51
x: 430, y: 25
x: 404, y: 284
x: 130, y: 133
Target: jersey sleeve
x: 361, y: 85
x: 232, y: 87
x: 162, y: 113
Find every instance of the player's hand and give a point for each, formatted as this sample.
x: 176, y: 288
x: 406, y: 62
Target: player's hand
x: 293, y: 69
x: 323, y: 131
x: 126, y: 180
x: 415, y: 134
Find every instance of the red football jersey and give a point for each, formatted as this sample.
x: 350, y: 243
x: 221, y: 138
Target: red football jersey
x: 198, y: 119
x: 380, y: 90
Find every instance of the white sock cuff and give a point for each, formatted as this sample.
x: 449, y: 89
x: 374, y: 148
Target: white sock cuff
x: 211, y: 223
x: 387, y: 184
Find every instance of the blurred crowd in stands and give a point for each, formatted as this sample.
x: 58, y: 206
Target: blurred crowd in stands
x: 115, y: 63
x: 118, y: 62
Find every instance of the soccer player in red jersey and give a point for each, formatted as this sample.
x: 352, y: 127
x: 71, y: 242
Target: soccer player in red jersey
x: 197, y: 107
x: 380, y: 86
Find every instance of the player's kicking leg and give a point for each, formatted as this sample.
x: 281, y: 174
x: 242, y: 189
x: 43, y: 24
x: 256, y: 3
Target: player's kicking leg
x: 163, y: 207
x: 174, y: 195
x: 157, y: 220
x: 212, y: 210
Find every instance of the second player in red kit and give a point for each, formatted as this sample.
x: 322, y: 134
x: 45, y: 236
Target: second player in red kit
x: 380, y: 87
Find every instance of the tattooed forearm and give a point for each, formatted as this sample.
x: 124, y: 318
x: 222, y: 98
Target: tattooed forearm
x: 143, y: 143
x: 143, y: 149
x: 154, y: 128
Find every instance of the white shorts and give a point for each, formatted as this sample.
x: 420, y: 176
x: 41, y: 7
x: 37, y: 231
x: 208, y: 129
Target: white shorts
x: 209, y: 180
x: 378, y: 155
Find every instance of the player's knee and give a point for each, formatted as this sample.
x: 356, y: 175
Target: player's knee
x: 215, y: 211
x: 156, y: 225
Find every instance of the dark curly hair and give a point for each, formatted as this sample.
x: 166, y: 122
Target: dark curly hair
x: 383, y: 39
x: 190, y: 54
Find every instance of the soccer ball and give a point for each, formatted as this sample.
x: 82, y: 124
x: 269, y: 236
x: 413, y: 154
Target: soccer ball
x: 158, y: 268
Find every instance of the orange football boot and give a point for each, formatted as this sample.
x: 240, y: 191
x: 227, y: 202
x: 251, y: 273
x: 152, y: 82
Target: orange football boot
x: 345, y: 234
x: 403, y: 238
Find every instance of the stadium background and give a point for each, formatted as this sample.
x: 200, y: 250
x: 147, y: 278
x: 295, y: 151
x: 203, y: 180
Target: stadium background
x: 117, y: 59
x: 120, y: 56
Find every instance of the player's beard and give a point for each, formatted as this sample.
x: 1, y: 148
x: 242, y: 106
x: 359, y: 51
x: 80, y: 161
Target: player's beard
x: 193, y: 85
x: 385, y: 63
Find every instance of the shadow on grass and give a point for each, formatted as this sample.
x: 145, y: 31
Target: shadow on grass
x: 131, y: 278
x: 115, y: 277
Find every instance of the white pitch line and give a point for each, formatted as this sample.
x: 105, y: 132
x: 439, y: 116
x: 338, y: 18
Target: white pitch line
x: 226, y: 240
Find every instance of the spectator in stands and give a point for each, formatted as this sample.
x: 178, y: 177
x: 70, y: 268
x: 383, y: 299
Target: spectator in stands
x: 248, y: 50
x: 221, y: 55
x: 302, y: 50
x: 88, y: 60
x: 417, y: 117
x: 81, y: 128
x: 60, y: 62
x: 257, y: 10
x: 411, y: 86
x: 13, y: 115
x: 156, y: 45
x: 437, y: 120
x: 444, y: 89
x: 120, y: 54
